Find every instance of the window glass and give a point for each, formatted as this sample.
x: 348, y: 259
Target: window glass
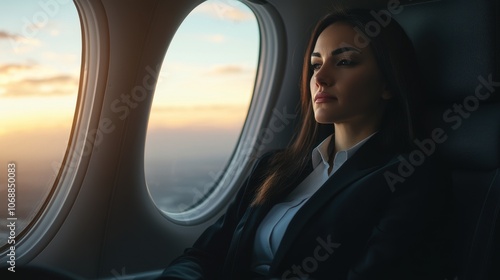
x: 40, y: 57
x: 201, y: 102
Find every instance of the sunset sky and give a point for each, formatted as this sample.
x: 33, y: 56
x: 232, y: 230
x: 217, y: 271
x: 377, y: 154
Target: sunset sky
x: 40, y: 63
x: 213, y: 57
x: 39, y: 66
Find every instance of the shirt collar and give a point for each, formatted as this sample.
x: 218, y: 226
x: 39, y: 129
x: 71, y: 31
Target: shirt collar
x: 320, y: 153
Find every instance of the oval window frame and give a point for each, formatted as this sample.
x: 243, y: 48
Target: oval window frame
x: 239, y: 165
x: 93, y: 76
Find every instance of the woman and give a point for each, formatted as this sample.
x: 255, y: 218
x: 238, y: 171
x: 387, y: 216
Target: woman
x: 354, y: 209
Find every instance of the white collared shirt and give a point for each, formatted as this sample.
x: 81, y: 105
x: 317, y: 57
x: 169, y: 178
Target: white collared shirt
x: 272, y: 228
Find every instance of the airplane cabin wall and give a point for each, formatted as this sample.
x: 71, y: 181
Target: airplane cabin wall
x: 113, y: 225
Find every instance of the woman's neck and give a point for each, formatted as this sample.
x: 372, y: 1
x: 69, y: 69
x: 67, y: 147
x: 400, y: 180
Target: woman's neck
x: 347, y: 136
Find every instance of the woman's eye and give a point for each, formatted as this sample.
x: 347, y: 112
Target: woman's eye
x: 315, y: 66
x: 346, y: 62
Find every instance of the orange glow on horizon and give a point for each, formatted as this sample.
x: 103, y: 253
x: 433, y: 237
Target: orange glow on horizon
x: 199, y: 116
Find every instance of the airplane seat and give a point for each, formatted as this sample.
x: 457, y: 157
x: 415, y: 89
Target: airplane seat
x: 457, y: 45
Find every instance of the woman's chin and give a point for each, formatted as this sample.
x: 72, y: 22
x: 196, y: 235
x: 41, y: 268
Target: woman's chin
x: 324, y: 120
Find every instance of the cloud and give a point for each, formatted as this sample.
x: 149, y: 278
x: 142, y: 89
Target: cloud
x: 200, y: 108
x: 226, y: 70
x: 216, y: 38
x: 236, y: 15
x: 49, y: 86
x: 54, y: 32
x: 225, y: 11
x: 9, y: 68
x: 201, y: 117
x: 4, y: 35
x: 58, y: 80
x: 19, y: 43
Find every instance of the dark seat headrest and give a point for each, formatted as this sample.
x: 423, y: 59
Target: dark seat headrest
x: 456, y: 42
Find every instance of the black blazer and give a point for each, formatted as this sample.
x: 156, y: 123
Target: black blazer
x: 380, y: 216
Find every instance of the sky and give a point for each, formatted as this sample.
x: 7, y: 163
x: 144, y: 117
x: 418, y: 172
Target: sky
x: 41, y: 52
x: 39, y: 65
x: 40, y: 57
x: 212, y: 60
x: 215, y: 64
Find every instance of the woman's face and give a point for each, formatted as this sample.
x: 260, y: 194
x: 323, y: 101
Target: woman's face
x: 346, y: 86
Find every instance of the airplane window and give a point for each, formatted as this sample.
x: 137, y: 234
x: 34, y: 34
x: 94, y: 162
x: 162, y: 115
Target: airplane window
x: 201, y: 102
x: 40, y: 59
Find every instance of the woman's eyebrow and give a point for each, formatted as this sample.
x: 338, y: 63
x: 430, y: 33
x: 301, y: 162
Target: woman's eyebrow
x: 338, y: 51
x: 345, y: 49
x: 315, y: 54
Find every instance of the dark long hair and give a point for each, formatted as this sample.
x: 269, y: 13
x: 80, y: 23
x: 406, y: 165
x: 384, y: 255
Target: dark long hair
x: 396, y: 60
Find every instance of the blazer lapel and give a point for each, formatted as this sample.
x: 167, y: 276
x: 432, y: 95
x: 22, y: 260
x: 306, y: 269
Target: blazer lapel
x: 239, y: 262
x: 251, y: 221
x: 367, y: 159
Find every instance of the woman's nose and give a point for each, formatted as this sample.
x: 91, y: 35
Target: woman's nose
x: 320, y: 82
x: 322, y: 78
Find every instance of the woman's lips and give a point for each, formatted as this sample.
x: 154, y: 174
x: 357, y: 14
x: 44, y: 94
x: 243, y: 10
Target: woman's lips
x: 323, y: 97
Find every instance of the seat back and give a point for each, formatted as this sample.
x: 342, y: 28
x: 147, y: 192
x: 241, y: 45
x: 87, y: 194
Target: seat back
x: 457, y: 45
